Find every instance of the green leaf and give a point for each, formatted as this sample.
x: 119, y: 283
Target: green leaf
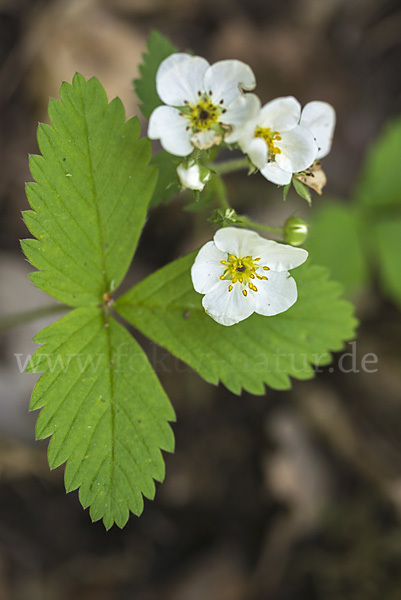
x: 380, y: 182
x: 105, y: 410
x: 159, y: 48
x: 101, y: 400
x: 90, y: 200
x: 388, y: 235
x: 167, y: 183
x: 259, y: 350
x: 302, y: 190
x: 335, y: 241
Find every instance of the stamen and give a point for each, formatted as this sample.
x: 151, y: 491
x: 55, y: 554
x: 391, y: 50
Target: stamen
x: 242, y: 270
x: 266, y: 268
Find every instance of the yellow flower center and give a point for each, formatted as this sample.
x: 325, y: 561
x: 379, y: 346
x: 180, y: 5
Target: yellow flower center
x: 242, y: 270
x: 270, y: 137
x: 205, y: 113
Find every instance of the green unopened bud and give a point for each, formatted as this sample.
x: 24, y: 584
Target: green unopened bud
x: 295, y: 231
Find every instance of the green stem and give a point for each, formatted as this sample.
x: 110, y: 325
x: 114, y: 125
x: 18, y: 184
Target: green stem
x: 25, y: 317
x: 245, y: 222
x: 230, y: 165
x: 221, y: 192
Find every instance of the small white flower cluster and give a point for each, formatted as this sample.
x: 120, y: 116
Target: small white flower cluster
x: 206, y: 105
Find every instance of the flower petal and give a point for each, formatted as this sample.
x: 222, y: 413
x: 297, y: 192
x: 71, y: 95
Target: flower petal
x: 241, y: 114
x: 240, y: 242
x: 276, y: 295
x: 298, y: 149
x: 180, y: 77
x: 280, y: 257
x: 228, y: 308
x: 169, y: 126
x: 320, y: 118
x: 227, y: 79
x: 257, y: 151
x: 274, y: 173
x: 207, y: 268
x: 281, y: 114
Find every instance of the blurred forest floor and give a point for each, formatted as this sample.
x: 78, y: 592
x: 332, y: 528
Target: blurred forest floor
x: 291, y: 496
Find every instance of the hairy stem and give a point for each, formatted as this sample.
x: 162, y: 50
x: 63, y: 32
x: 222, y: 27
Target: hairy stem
x: 245, y: 222
x: 229, y: 166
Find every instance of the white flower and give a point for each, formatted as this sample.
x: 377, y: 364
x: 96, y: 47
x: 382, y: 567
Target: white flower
x: 241, y: 273
x: 320, y: 119
x: 199, y: 102
x: 190, y: 176
x: 276, y: 142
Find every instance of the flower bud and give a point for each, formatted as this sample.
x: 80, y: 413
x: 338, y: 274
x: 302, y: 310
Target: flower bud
x: 295, y: 231
x: 193, y: 176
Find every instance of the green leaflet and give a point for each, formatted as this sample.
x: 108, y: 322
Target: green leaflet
x: 90, y: 200
x: 379, y: 203
x: 159, y: 48
x: 336, y: 241
x: 105, y: 410
x: 380, y: 182
x: 167, y: 182
x: 258, y: 351
x: 388, y: 232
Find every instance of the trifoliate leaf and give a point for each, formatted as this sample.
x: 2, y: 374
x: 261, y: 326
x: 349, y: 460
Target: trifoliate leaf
x: 336, y: 241
x: 101, y: 400
x: 256, y: 351
x: 159, y: 48
x: 90, y: 200
x: 388, y: 235
x: 167, y: 183
x: 105, y: 410
x: 380, y: 182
